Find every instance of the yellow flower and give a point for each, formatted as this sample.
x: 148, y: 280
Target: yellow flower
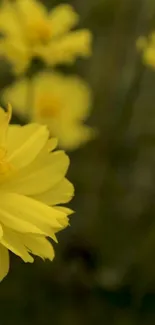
x: 60, y: 102
x: 31, y: 31
x: 147, y: 47
x: 31, y: 178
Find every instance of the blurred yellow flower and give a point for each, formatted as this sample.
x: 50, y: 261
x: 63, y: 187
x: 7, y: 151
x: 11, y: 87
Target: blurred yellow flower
x: 60, y: 102
x: 31, y: 31
x: 31, y: 178
x: 147, y: 46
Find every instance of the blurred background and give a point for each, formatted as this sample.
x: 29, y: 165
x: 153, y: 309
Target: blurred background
x: 104, y: 269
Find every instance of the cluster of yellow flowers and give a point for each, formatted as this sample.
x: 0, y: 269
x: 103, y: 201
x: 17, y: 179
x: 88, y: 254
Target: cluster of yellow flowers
x: 32, y: 172
x: 60, y: 102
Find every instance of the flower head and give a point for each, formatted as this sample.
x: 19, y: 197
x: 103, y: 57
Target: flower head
x: 147, y: 47
x: 32, y: 177
x: 60, y: 102
x: 41, y: 34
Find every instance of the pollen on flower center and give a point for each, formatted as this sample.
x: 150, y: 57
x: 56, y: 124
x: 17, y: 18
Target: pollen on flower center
x: 39, y: 31
x: 48, y: 106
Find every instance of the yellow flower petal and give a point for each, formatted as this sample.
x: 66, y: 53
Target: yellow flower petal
x: 8, y: 22
x: 74, y: 135
x: 11, y: 241
x: 29, y: 149
x: 64, y: 209
x: 36, y: 177
x: 33, y: 211
x: 15, y: 50
x: 60, y: 193
x: 1, y: 231
x: 36, y: 8
x: 39, y: 246
x: 67, y: 49
x: 19, y: 218
x: 64, y: 221
x: 13, y: 220
x: 18, y: 95
x: 4, y: 262
x: 17, y: 135
x: 51, y: 144
x: 4, y: 121
x: 65, y: 14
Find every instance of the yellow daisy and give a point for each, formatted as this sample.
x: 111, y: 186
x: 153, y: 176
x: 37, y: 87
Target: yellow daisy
x: 41, y: 34
x: 60, y: 102
x: 147, y: 46
x: 31, y: 178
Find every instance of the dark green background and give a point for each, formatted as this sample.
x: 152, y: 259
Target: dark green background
x: 104, y: 270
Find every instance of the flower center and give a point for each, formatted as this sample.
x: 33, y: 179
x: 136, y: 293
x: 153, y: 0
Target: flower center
x: 38, y: 31
x: 48, y: 106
